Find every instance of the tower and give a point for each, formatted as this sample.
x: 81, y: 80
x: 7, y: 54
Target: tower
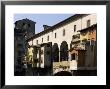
x: 23, y: 30
x: 28, y: 25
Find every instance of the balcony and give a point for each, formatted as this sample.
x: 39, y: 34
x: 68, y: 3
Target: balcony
x: 79, y: 46
x: 76, y: 38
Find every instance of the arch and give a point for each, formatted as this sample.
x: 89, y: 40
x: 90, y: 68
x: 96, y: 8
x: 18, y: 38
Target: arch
x: 55, y: 52
x: 63, y: 73
x: 64, y: 51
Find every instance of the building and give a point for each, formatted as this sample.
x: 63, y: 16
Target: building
x: 88, y: 33
x: 84, y: 51
x: 36, y: 58
x: 23, y: 30
x: 27, y: 24
x: 65, y: 36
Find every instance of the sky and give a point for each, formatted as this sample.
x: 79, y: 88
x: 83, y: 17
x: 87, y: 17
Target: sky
x: 42, y: 19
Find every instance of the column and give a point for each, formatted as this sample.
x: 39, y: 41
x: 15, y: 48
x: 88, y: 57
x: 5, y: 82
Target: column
x: 69, y: 59
x: 59, y: 55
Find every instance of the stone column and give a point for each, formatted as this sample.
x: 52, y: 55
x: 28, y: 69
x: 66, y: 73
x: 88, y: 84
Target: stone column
x: 69, y: 59
x: 59, y: 56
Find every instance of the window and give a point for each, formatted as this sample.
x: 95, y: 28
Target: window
x: 29, y: 25
x: 88, y: 23
x: 63, y: 32
x: 74, y: 28
x: 55, y: 35
x: 48, y: 38
x: 37, y: 41
x: 73, y: 56
x: 42, y: 39
x: 23, y: 24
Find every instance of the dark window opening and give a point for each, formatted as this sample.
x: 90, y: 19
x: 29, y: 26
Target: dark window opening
x: 37, y: 41
x: 23, y: 23
x: 55, y: 35
x: 42, y: 39
x: 29, y: 25
x: 63, y: 32
x: 88, y: 23
x: 74, y: 28
x: 48, y: 38
x: 73, y: 56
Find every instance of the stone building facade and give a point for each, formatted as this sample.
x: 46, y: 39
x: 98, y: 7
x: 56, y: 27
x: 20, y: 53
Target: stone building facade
x: 67, y: 36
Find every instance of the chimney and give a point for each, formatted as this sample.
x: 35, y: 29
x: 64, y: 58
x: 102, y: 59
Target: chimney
x: 46, y: 27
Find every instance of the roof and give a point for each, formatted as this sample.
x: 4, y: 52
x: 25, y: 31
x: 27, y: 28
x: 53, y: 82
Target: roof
x: 66, y: 21
x: 26, y: 20
x: 92, y: 26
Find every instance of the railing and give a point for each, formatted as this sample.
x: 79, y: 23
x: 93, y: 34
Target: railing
x: 79, y: 46
x: 62, y: 63
x: 76, y: 38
